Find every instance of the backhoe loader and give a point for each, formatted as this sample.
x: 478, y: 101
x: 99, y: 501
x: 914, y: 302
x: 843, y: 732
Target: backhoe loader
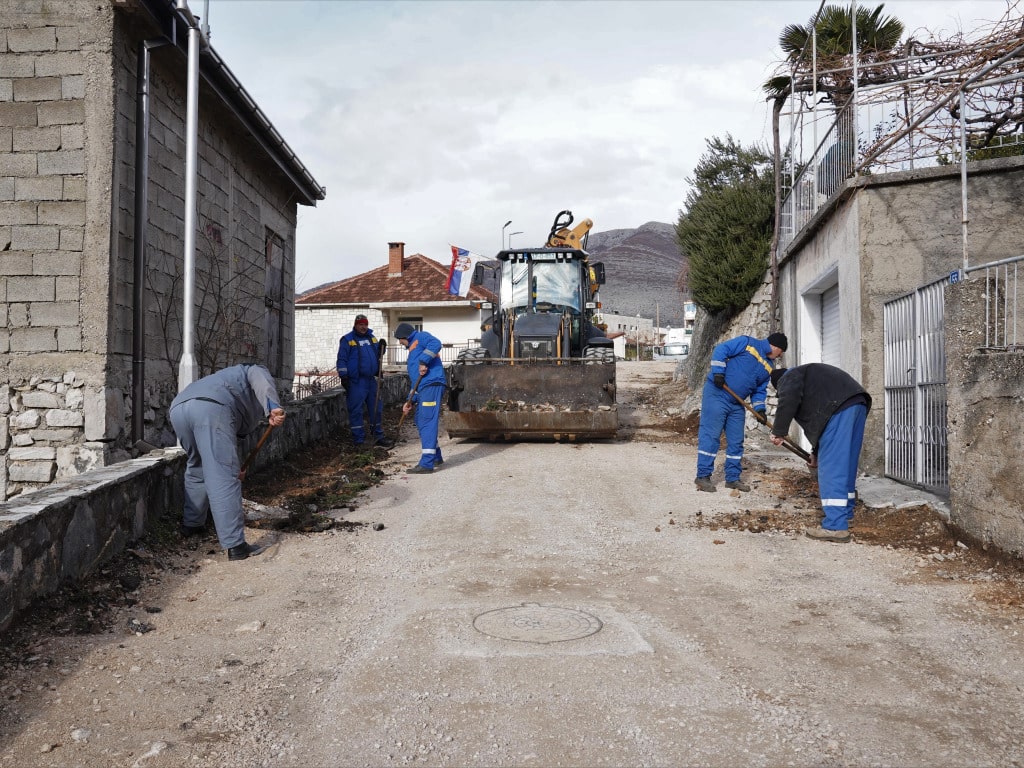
x: 545, y: 367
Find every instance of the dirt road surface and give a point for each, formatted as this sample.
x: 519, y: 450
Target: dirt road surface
x: 545, y: 605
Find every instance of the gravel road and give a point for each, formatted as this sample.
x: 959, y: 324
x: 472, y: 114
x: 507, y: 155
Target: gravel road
x: 539, y: 604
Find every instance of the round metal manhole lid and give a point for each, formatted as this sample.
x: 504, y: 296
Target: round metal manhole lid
x: 533, y: 623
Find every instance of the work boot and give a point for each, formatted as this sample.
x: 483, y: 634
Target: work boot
x: 827, y: 534
x: 737, y: 485
x: 191, y: 530
x: 419, y: 469
x: 705, y: 484
x: 385, y: 442
x: 244, y: 550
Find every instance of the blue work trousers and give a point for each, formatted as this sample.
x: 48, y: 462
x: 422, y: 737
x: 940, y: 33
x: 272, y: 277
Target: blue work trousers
x: 720, y: 411
x: 838, y: 454
x: 428, y: 419
x: 361, y: 394
x: 206, y: 431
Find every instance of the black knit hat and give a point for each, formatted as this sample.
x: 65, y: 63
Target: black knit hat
x: 404, y: 331
x: 779, y: 340
x: 777, y: 374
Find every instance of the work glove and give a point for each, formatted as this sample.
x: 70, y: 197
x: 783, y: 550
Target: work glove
x: 344, y: 381
x: 719, y: 380
x: 760, y: 415
x: 382, y: 347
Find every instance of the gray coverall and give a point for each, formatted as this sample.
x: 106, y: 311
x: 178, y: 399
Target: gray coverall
x: 209, y: 416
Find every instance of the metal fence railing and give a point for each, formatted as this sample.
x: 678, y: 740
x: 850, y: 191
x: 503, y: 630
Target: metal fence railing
x: 397, y: 355
x: 1004, y: 326
x: 313, y: 380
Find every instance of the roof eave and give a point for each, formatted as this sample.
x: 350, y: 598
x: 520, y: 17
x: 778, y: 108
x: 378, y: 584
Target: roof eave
x: 231, y: 93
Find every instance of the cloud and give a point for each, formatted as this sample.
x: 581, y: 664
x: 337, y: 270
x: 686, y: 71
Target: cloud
x: 436, y: 122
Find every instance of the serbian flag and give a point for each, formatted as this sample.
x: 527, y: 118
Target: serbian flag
x: 461, y: 273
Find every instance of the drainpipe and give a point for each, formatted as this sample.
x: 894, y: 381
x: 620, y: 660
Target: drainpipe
x: 187, y: 366
x: 141, y: 220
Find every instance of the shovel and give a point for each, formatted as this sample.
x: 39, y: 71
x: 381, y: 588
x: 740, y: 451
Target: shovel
x: 415, y: 387
x: 381, y: 349
x: 786, y: 442
x: 254, y: 451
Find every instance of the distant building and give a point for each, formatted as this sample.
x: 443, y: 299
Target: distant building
x: 689, y: 316
x: 408, y: 289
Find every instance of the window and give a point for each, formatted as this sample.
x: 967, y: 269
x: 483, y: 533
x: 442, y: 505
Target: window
x: 274, y: 284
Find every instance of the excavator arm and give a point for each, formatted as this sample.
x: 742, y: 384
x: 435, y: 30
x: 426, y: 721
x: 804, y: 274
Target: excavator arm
x: 562, y: 236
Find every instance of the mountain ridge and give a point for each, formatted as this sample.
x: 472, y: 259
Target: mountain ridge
x: 642, y: 268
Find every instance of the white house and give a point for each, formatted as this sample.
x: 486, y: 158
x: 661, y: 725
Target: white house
x: 406, y: 290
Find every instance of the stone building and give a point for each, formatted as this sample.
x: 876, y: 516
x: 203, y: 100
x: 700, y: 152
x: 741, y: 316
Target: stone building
x: 73, y: 371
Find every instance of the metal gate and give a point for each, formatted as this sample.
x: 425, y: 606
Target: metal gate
x: 915, y: 389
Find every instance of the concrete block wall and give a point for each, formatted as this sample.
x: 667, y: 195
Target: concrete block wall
x: 984, y: 399
x: 67, y: 158
x: 54, y: 63
x: 885, y: 236
x: 43, y: 72
x: 317, y: 331
x: 241, y: 200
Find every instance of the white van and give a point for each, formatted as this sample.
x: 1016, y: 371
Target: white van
x: 677, y: 350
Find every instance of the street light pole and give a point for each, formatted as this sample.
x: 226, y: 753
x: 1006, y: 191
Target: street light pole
x: 503, y: 233
x: 510, y: 237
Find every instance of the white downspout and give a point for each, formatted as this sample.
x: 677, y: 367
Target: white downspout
x: 187, y: 369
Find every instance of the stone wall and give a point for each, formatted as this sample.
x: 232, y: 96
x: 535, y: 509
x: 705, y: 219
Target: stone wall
x: 984, y: 402
x: 44, y: 421
x: 754, y: 320
x: 65, y: 530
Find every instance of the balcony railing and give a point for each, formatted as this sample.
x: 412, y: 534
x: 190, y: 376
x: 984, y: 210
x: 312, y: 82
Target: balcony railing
x: 943, y: 103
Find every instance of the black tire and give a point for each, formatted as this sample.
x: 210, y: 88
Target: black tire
x: 473, y: 356
x: 598, y: 356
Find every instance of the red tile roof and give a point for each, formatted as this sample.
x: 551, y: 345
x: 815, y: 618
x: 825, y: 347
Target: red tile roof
x: 422, y: 281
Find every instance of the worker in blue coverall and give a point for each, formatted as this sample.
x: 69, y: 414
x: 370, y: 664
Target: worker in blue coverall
x: 831, y: 408
x: 359, y: 361
x: 742, y: 364
x: 425, y: 367
x: 208, y: 416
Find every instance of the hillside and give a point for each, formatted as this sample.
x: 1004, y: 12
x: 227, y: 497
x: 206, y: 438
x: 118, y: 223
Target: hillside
x: 642, y: 266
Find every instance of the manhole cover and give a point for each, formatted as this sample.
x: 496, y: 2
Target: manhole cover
x: 533, y: 623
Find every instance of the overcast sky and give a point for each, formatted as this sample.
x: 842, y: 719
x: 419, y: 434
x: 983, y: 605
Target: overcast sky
x: 433, y: 123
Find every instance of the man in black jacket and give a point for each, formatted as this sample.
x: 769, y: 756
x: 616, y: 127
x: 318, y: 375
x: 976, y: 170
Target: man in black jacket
x: 831, y: 408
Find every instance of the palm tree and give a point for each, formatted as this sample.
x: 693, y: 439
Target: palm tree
x: 877, y: 36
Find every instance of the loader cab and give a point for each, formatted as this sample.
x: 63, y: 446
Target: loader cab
x: 546, y: 293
